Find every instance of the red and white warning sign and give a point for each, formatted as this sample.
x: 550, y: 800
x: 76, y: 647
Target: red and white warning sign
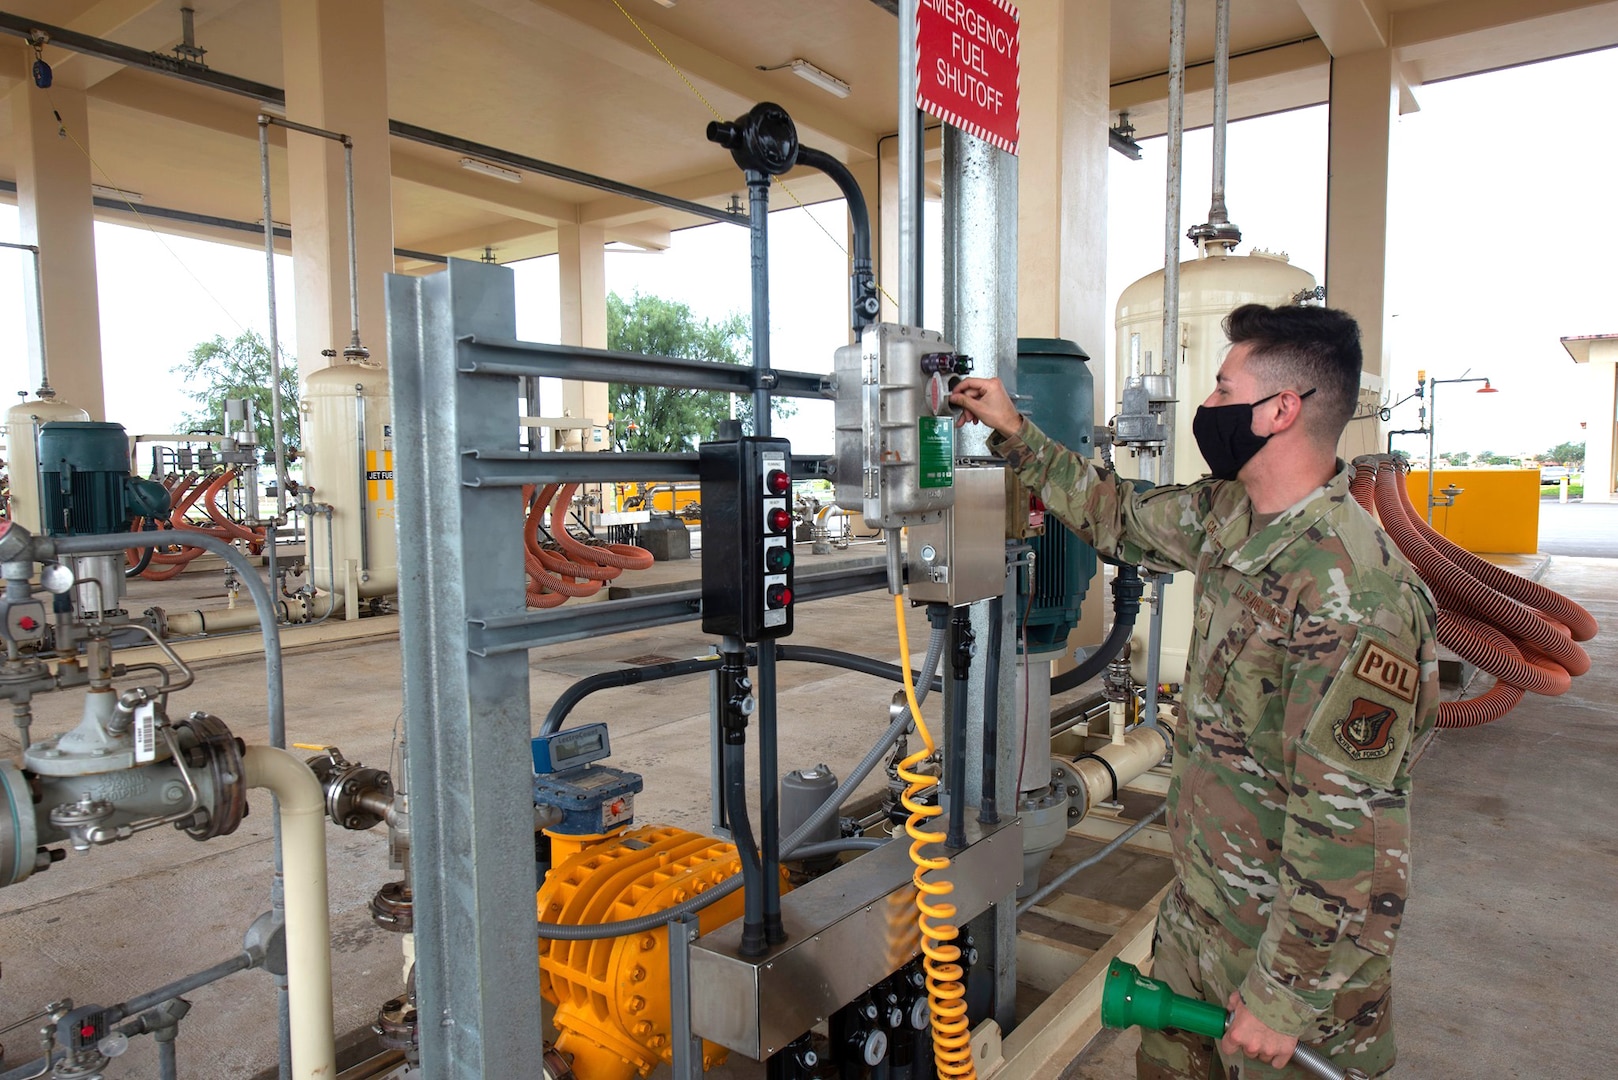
x: 967, y: 67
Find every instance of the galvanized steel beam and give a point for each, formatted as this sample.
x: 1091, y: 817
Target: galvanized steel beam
x: 467, y: 717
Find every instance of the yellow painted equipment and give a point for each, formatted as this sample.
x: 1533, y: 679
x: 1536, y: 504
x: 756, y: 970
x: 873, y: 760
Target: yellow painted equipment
x: 1497, y: 510
x: 682, y: 500
x: 348, y: 441
x: 612, y: 995
x: 23, y: 422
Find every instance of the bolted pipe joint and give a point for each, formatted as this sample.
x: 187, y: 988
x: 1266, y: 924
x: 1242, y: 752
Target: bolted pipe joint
x: 762, y: 140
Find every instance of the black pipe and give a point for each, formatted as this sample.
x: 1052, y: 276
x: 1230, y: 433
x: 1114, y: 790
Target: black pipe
x: 1126, y: 593
x: 769, y: 794
x: 622, y: 677
x: 863, y: 302
x: 736, y: 704
x: 808, y: 654
x: 962, y: 645
x: 988, y: 807
x: 758, y: 209
x: 814, y: 654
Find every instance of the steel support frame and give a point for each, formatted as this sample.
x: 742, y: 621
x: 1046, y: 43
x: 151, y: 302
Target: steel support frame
x: 467, y: 717
x: 980, y: 319
x: 457, y: 374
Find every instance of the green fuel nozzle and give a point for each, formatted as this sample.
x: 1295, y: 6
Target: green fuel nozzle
x: 1129, y: 998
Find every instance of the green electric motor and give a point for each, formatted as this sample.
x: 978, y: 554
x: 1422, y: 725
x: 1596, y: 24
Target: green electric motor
x: 1055, y: 383
x: 84, y: 481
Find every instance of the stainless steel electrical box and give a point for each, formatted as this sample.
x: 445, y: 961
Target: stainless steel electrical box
x: 846, y: 932
x: 962, y: 558
x: 895, y: 434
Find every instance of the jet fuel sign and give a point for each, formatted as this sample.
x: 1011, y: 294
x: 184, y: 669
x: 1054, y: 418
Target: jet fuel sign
x: 967, y: 67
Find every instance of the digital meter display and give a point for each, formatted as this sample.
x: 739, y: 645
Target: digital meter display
x: 570, y: 749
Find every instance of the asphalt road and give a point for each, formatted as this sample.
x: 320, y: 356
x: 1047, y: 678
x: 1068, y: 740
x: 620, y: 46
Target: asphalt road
x: 1579, y: 528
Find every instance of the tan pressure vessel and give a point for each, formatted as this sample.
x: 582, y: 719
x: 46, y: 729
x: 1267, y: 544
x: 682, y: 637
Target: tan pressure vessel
x: 23, y: 422
x: 1211, y: 287
x: 348, y: 461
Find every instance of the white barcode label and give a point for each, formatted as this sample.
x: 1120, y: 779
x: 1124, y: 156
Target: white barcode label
x: 146, y: 732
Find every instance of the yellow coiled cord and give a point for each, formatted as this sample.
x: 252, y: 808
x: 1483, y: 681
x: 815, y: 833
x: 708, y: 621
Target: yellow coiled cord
x: 946, y: 996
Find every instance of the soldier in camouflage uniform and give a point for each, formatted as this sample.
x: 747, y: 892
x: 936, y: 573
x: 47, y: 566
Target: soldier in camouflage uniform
x: 1311, y: 682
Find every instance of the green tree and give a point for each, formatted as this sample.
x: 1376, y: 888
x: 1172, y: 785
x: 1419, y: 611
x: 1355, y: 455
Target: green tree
x: 1489, y: 457
x: 219, y: 369
x: 1460, y: 460
x: 1568, y: 453
x: 659, y: 419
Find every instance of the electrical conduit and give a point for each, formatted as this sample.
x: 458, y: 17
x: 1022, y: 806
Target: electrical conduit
x: 302, y: 809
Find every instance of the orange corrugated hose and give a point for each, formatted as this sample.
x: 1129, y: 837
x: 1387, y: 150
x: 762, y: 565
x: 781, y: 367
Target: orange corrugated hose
x: 1516, y: 630
x: 624, y: 556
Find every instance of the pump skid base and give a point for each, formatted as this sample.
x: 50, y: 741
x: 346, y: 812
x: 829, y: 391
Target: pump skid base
x: 846, y: 932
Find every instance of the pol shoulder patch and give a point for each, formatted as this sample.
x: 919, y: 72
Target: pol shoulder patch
x: 1363, y: 723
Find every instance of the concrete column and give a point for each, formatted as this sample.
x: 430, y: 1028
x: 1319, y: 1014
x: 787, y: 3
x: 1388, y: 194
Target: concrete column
x: 1364, y: 103
x: 53, y: 198
x: 1062, y: 198
x: 336, y: 78
x: 1601, y: 429
x: 583, y: 281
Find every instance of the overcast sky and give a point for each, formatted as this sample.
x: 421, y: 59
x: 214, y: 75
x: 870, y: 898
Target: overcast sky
x: 1500, y: 245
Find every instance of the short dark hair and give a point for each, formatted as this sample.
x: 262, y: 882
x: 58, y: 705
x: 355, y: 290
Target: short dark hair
x: 1303, y: 347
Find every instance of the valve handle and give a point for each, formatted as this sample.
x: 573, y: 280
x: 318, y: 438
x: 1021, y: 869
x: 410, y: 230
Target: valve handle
x: 1129, y: 998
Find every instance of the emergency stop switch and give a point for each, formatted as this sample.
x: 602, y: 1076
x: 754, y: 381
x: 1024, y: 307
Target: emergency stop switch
x: 747, y: 524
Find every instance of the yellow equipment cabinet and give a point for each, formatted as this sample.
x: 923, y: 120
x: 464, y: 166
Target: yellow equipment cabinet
x: 1494, y: 510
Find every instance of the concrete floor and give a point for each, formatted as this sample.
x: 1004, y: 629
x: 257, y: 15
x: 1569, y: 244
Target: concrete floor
x: 1506, y: 958
x: 1501, y: 963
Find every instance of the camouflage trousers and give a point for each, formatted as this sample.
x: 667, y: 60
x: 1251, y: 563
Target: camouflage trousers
x: 1198, y: 957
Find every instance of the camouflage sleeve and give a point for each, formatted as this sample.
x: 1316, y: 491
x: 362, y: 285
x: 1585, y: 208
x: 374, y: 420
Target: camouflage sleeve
x: 1160, y: 529
x: 1357, y: 700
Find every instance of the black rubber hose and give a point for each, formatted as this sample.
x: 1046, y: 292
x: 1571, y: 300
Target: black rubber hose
x: 769, y: 811
x: 961, y: 649
x: 814, y: 654
x: 754, y: 942
x: 988, y: 806
x: 607, y: 680
x: 622, y: 677
x: 858, y: 215
x: 145, y: 559
x: 863, y: 303
x: 1126, y: 594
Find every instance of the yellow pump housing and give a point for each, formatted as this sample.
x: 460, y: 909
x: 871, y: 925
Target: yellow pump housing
x: 612, y: 995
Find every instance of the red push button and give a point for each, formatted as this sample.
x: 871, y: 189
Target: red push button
x: 777, y: 482
x: 778, y: 596
x: 778, y: 520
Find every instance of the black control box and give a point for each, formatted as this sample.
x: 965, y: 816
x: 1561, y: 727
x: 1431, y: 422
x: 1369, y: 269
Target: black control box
x: 746, y: 538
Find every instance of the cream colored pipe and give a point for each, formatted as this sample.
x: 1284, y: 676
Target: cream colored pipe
x: 192, y: 623
x: 308, y: 931
x: 1141, y: 748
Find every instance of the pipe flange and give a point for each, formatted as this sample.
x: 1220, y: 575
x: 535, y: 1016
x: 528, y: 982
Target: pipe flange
x: 1064, y: 775
x: 214, y: 748
x: 396, y: 1027
x: 393, y: 908
x: 354, y: 792
x: 556, y: 1064
x: 1214, y: 232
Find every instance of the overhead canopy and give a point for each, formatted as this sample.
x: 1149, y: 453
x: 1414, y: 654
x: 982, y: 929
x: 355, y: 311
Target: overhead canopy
x: 576, y: 82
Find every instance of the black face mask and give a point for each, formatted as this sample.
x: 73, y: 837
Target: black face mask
x: 1224, y: 434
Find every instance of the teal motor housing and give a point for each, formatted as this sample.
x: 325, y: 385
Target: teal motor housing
x: 84, y: 481
x: 1054, y: 379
